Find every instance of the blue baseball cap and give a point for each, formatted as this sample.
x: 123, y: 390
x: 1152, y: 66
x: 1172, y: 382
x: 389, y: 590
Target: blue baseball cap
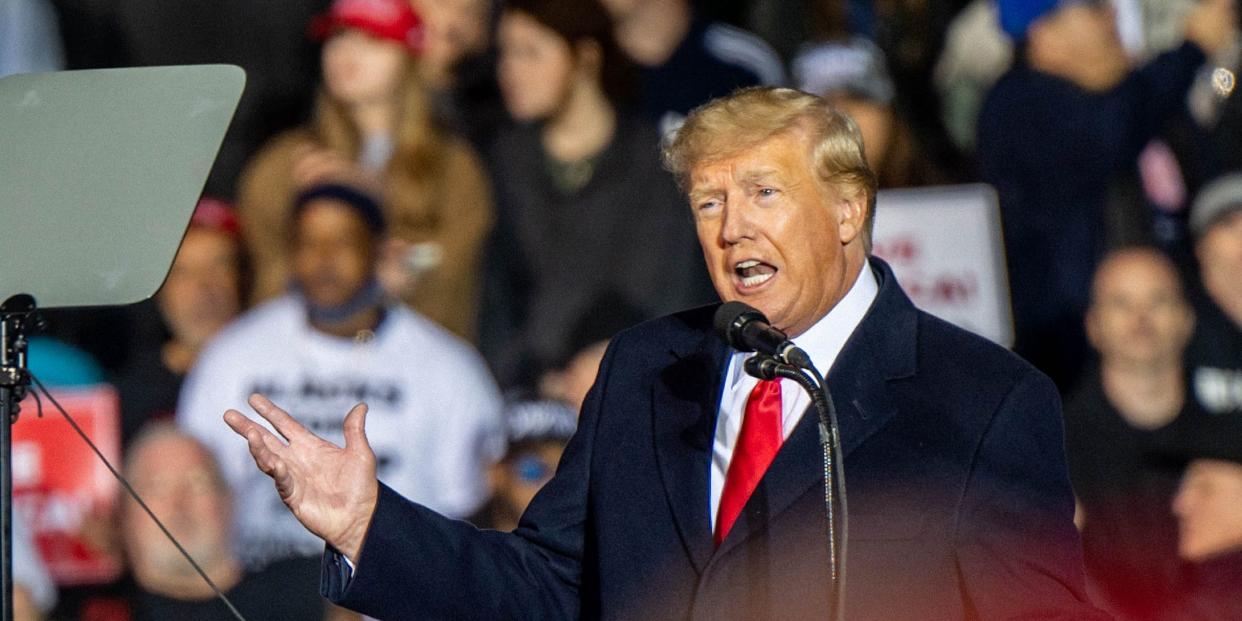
x: 1016, y: 16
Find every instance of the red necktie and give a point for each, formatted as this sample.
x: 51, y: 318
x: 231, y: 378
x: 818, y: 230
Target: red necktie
x: 757, y: 444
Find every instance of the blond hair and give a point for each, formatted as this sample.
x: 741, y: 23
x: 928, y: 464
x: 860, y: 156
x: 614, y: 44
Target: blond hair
x: 727, y: 126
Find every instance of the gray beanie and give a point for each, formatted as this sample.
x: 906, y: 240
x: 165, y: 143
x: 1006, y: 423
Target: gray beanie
x: 1216, y: 200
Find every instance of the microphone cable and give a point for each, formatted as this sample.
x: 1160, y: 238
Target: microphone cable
x: 129, y: 489
x: 766, y: 366
x: 832, y: 427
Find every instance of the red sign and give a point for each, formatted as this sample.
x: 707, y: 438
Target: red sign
x: 60, y: 486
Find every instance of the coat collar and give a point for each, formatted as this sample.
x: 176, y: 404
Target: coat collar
x: 687, y: 398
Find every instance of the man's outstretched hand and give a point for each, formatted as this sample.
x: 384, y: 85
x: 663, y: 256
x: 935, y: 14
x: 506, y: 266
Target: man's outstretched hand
x: 331, y: 490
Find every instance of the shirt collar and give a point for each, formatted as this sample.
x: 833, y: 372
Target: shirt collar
x: 824, y: 340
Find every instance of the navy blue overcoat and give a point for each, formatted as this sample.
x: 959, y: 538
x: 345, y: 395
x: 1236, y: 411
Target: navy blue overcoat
x: 960, y: 503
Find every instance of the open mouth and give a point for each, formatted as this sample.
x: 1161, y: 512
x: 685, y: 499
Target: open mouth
x: 754, y: 273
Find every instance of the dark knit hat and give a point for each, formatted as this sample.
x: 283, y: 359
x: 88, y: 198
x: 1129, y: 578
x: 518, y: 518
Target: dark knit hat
x: 364, y: 204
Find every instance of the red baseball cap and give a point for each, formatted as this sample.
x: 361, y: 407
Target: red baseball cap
x: 394, y: 20
x: 216, y: 215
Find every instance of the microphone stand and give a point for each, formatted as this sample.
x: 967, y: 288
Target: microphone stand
x: 768, y: 367
x: 17, y: 317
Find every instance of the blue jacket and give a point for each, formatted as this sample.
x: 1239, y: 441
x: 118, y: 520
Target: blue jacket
x: 960, y: 504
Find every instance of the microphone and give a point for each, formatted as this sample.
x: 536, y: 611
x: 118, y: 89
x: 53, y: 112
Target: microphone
x: 747, y: 329
x: 764, y: 367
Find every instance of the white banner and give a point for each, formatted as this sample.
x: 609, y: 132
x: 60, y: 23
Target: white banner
x: 945, y: 246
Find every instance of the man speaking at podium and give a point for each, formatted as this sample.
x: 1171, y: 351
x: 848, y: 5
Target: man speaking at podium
x: 694, y: 491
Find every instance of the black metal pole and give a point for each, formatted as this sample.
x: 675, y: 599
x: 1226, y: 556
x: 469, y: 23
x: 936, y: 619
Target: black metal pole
x: 7, y: 407
x: 8, y: 392
x: 768, y: 367
x: 17, y: 314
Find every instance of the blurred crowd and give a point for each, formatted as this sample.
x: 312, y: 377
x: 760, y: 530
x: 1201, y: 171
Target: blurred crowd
x: 445, y: 208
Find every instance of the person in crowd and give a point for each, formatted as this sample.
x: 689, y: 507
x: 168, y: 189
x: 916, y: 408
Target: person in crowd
x: 1139, y: 322
x: 1208, y: 506
x: 537, y: 432
x: 455, y: 30
x: 911, y: 35
x: 686, y: 61
x: 959, y: 495
x: 1215, y: 354
x: 584, y: 207
x: 180, y: 480
x: 459, y: 65
x: 569, y: 380
x: 1071, y: 109
x: 332, y: 341
x: 373, y: 126
x: 203, y: 292
x: 976, y: 54
x: 852, y: 75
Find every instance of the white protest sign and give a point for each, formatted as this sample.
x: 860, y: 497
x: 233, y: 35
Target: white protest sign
x: 945, y: 246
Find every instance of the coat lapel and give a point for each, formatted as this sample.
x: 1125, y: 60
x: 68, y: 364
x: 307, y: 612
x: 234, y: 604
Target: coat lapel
x: 881, y: 350
x: 686, y: 400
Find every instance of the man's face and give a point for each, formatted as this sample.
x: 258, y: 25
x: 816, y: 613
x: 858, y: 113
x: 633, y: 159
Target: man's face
x: 174, y: 475
x: 1138, y: 315
x: 1208, y: 506
x: 201, y: 292
x: 1220, y: 259
x: 1088, y: 45
x: 774, y: 236
x: 333, y: 253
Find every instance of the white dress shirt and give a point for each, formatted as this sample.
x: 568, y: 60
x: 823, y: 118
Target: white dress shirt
x: 822, y: 341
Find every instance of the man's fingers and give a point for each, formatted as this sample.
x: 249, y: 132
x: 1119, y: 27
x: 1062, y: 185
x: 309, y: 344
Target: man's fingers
x: 242, y: 425
x: 355, y: 428
x: 271, y: 442
x: 264, y: 457
x: 245, y: 427
x: 285, y: 425
x: 264, y: 447
x: 239, y: 422
x: 284, y: 483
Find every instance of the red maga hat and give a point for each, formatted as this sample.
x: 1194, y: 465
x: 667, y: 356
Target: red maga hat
x: 393, y: 20
x: 216, y: 215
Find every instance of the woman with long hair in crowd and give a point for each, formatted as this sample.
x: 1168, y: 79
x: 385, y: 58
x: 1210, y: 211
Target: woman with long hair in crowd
x: 373, y: 125
x: 584, y: 208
